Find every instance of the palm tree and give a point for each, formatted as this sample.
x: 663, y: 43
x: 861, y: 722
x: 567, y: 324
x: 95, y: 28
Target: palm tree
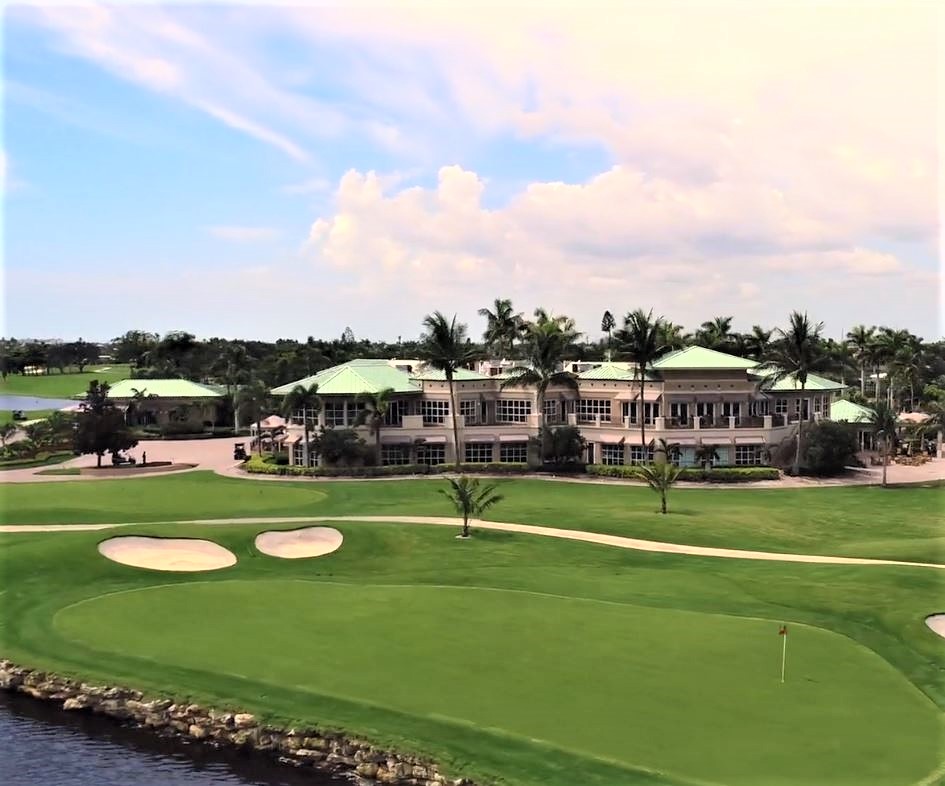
x: 232, y: 368
x: 134, y: 404
x: 671, y: 336
x: 757, y: 342
x: 798, y: 352
x: 716, y: 333
x: 7, y: 430
x: 660, y: 477
x: 859, y: 340
x: 253, y: 399
x: 884, y: 422
x: 705, y: 456
x: 307, y: 400
x: 376, y: 407
x: 607, y: 325
x: 502, y: 327
x: 469, y: 498
x: 546, y: 343
x: 444, y: 347
x: 640, y: 340
x: 890, y: 344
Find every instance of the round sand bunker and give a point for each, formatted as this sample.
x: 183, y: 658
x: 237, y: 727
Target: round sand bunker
x: 174, y: 554
x: 937, y: 623
x: 298, y: 543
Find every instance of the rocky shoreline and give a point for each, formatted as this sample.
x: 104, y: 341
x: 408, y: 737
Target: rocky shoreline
x: 326, y: 752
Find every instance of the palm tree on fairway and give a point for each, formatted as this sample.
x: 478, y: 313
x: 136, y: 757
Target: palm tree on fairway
x: 859, y: 340
x: 253, y: 400
x: 444, y: 347
x: 798, y: 352
x: 376, y: 407
x: 706, y: 455
x: 660, y: 477
x: 306, y: 400
x: 545, y: 344
x: 469, y: 498
x: 641, y: 340
x: 503, y: 326
x: 884, y: 422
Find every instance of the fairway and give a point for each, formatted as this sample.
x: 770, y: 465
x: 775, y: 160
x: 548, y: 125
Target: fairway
x: 694, y: 695
x: 56, y: 385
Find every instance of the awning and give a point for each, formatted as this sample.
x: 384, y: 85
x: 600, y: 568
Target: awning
x: 634, y: 395
x: 480, y: 438
x: 396, y: 439
x: 290, y: 439
x: 433, y: 439
x: 750, y: 441
x: 682, y: 441
x: 609, y: 439
x: 513, y: 438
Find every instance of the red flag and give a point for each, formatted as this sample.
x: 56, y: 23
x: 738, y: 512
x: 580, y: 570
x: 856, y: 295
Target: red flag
x: 783, y: 631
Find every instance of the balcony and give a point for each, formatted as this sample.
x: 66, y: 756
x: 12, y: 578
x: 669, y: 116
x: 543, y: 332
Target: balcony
x: 680, y: 423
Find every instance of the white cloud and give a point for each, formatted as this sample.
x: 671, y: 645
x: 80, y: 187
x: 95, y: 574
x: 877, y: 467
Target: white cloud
x: 241, y: 234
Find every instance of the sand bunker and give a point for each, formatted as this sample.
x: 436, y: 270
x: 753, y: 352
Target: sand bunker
x: 937, y: 623
x: 297, y: 543
x: 175, y: 554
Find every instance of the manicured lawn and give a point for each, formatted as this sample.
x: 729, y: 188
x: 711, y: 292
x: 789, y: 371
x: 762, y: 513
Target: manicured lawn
x: 6, y: 415
x: 512, y: 657
x: 900, y: 523
x: 41, y: 460
x: 56, y: 385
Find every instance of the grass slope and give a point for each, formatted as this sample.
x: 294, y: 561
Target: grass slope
x: 6, y: 415
x: 854, y: 521
x: 518, y: 658
x: 56, y: 385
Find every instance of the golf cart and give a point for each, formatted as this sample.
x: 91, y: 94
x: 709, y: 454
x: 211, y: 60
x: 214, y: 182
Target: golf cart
x: 239, y: 451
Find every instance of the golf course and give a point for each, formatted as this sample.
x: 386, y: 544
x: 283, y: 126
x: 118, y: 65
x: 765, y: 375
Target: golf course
x: 510, y: 657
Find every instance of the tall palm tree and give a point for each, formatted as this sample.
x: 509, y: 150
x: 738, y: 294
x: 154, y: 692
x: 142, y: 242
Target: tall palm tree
x: 545, y: 345
x: 138, y: 397
x: 253, y: 399
x: 469, y: 498
x: 672, y: 336
x: 376, y: 407
x: 231, y: 367
x: 660, y: 477
x: 444, y: 346
x: 798, y: 352
x: 716, y: 333
x: 889, y: 345
x: 502, y: 327
x: 757, y: 342
x: 640, y: 340
x: 883, y: 419
x: 308, y: 401
x: 859, y: 340
x: 563, y: 323
x: 607, y: 325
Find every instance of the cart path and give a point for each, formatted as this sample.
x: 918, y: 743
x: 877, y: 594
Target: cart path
x: 617, y: 541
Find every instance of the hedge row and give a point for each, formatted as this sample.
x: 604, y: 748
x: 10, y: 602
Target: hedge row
x: 41, y: 459
x: 262, y: 467
x: 714, y: 475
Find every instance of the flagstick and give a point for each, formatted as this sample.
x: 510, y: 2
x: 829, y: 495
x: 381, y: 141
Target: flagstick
x: 783, y: 655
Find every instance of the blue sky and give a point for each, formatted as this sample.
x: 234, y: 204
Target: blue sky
x: 263, y: 172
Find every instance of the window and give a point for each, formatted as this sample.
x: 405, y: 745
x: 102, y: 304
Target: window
x: 395, y: 454
x: 591, y: 409
x: 334, y: 413
x: 748, y: 455
x: 651, y: 412
x: 705, y: 410
x: 551, y: 411
x: 431, y: 454
x: 512, y: 410
x: 469, y: 409
x: 679, y: 412
x: 395, y: 413
x: 780, y: 406
x: 732, y: 409
x: 630, y: 411
x: 817, y: 404
x: 640, y: 456
x: 478, y: 453
x: 298, y: 454
x: 513, y: 453
x: 355, y: 408
x: 434, y: 411
x: 759, y: 407
x: 611, y: 454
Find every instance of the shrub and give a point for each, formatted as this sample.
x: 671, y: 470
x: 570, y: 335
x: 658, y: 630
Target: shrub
x: 266, y: 466
x: 714, y: 475
x: 829, y: 448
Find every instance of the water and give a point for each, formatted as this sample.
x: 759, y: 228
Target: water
x: 27, y: 403
x: 40, y: 745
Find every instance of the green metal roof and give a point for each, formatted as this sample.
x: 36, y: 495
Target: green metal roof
x: 353, y: 378
x: 436, y: 375
x: 614, y: 370
x: 789, y: 383
x: 850, y: 412
x: 161, y: 388
x: 701, y: 358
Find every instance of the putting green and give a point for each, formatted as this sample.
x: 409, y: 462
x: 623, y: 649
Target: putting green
x: 692, y: 695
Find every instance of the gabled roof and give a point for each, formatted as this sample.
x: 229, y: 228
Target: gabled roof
x: 849, y: 412
x: 701, y: 358
x: 789, y: 383
x: 614, y: 370
x: 353, y: 378
x: 161, y: 388
x: 430, y: 374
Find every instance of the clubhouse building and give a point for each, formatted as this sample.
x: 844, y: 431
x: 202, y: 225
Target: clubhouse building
x: 694, y: 396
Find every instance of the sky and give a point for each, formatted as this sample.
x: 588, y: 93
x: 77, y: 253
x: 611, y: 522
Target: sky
x: 263, y: 171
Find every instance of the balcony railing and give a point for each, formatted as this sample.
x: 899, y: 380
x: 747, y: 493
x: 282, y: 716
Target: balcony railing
x: 671, y: 423
x: 750, y: 421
